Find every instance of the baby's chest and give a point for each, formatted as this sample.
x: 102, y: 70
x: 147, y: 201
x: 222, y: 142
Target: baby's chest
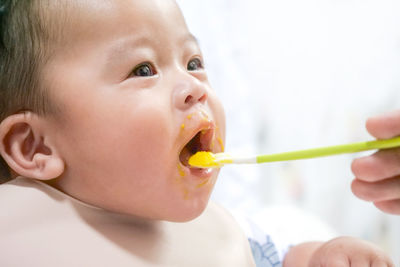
x: 202, y: 249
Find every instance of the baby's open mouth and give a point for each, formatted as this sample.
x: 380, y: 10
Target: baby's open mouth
x: 200, y: 142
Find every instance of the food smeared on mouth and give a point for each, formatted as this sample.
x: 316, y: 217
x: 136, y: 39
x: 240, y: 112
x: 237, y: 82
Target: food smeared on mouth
x: 181, y: 171
x: 203, y: 184
x: 221, y: 143
x: 204, y: 115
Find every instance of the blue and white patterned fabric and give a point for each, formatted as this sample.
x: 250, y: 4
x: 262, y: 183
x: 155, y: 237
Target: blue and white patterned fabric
x: 265, y: 254
x: 266, y: 251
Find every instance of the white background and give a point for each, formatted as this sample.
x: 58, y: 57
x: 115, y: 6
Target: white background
x: 298, y: 74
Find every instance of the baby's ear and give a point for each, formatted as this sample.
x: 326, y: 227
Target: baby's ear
x: 27, y: 149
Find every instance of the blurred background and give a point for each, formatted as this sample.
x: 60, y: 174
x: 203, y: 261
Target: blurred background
x: 293, y: 75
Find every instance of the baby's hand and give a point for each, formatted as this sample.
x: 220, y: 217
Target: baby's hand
x: 348, y: 251
x: 378, y: 176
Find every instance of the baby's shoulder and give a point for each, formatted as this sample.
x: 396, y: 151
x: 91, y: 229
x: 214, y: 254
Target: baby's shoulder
x: 16, y: 194
x: 225, y: 234
x: 24, y: 201
x: 222, y: 219
x: 23, y: 193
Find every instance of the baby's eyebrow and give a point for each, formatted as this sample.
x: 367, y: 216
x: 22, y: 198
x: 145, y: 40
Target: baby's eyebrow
x: 190, y: 38
x: 193, y: 38
x: 118, y: 51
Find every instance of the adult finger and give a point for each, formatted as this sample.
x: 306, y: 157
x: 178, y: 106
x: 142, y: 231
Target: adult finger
x: 381, y: 263
x: 389, y: 206
x: 388, y: 189
x: 359, y: 262
x: 385, y: 125
x: 382, y: 164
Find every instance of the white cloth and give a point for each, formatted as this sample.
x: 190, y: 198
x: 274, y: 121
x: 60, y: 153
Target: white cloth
x: 266, y: 251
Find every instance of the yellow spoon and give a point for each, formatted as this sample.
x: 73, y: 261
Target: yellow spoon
x: 204, y: 159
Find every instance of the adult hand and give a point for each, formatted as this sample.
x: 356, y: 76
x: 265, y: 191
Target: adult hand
x: 378, y: 175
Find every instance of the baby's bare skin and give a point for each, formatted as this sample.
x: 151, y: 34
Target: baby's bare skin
x: 132, y: 92
x: 76, y: 234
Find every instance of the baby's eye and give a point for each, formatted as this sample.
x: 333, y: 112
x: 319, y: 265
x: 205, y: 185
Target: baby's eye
x: 144, y: 70
x: 195, y: 64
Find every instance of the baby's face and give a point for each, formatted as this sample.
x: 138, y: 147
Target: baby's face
x: 135, y: 103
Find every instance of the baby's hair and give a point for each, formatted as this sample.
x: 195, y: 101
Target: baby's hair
x: 28, y: 29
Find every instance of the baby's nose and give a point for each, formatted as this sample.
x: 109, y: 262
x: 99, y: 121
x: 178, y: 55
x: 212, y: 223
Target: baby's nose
x: 187, y: 94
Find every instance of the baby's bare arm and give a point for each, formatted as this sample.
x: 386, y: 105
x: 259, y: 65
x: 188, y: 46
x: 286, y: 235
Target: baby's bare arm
x: 300, y: 255
x: 339, y: 252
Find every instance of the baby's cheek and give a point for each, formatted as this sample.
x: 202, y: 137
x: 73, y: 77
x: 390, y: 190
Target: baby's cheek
x: 153, y: 138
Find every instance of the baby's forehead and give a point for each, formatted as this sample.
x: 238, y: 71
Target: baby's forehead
x: 76, y: 15
x: 66, y: 22
x: 90, y: 19
x: 81, y: 18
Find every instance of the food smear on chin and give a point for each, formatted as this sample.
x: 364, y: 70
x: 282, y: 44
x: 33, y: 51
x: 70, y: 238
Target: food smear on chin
x: 181, y: 171
x: 202, y: 184
x: 221, y: 143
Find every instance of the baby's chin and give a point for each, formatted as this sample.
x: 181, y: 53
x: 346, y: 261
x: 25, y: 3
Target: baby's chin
x: 186, y: 215
x: 187, y: 211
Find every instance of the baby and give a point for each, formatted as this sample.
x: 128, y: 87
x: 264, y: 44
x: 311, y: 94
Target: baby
x: 102, y: 104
